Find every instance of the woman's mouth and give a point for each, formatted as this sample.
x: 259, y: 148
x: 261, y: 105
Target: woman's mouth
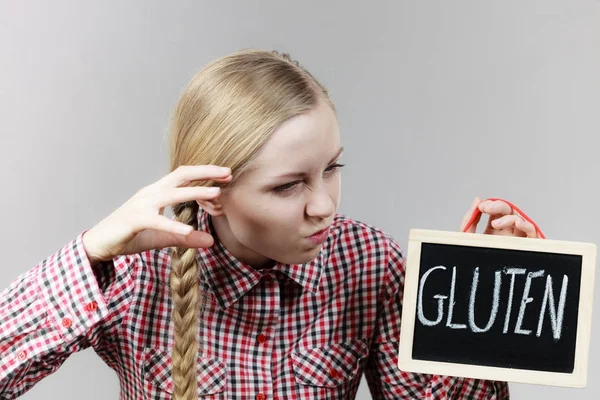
x: 320, y: 236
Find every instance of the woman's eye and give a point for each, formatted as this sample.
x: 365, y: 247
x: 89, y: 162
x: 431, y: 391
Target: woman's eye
x: 334, y: 167
x: 291, y: 187
x: 288, y: 187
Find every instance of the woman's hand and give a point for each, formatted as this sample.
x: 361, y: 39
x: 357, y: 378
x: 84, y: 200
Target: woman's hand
x: 140, y: 224
x: 503, y: 220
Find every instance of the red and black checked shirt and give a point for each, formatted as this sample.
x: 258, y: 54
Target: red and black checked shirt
x: 288, y: 332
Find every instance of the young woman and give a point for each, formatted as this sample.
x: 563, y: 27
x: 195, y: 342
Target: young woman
x: 257, y: 288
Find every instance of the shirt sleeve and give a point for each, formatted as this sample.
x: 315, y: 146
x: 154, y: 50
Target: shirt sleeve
x: 61, y: 306
x: 385, y: 380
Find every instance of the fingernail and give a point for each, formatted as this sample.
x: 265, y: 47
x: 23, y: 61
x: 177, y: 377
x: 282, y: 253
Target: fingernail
x: 213, y: 190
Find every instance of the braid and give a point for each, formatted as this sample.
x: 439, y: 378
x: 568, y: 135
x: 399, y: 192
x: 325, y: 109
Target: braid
x: 187, y: 307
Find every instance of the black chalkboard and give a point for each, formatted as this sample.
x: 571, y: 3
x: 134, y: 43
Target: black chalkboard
x: 510, y: 342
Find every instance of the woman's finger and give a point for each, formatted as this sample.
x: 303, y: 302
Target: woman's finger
x: 155, y: 239
x: 162, y: 223
x: 196, y: 239
x: 514, y: 224
x: 189, y: 173
x: 494, y: 207
x: 469, y: 214
x: 184, y: 194
x: 526, y: 227
x: 504, y: 224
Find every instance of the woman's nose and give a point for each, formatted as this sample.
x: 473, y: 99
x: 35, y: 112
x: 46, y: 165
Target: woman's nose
x: 320, y: 203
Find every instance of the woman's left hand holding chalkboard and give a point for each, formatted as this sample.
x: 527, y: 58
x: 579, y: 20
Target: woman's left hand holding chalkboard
x: 503, y: 219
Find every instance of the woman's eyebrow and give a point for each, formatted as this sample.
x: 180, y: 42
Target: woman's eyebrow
x: 300, y: 174
x: 337, y: 155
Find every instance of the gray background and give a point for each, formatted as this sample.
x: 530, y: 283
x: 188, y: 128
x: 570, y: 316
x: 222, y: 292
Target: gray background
x: 438, y: 102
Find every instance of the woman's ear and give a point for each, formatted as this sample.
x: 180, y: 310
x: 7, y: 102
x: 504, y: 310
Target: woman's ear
x: 214, y: 207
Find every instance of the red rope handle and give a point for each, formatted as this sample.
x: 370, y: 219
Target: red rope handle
x: 477, y: 213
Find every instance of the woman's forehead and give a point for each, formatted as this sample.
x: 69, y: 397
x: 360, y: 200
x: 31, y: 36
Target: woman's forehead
x: 304, y: 140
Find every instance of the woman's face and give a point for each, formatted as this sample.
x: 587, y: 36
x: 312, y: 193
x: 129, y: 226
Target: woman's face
x: 289, y: 192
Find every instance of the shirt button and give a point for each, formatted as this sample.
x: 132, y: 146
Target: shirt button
x: 261, y: 396
x: 67, y: 322
x: 334, y: 373
x: 22, y: 355
x: 93, y: 306
x: 261, y: 338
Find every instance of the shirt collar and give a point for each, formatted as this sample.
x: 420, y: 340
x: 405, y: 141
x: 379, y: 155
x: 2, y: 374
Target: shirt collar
x: 230, y: 278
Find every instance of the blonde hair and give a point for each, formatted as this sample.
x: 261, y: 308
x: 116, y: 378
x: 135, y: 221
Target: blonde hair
x: 224, y: 116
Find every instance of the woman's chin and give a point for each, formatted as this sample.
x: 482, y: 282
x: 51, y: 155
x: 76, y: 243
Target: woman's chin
x: 304, y: 257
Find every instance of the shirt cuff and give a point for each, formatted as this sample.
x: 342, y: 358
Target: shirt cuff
x: 70, y: 291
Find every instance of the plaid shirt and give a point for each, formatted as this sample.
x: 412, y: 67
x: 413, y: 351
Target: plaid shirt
x: 288, y: 332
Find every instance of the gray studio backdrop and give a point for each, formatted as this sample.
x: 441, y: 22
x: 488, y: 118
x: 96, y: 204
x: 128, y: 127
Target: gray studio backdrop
x: 439, y: 101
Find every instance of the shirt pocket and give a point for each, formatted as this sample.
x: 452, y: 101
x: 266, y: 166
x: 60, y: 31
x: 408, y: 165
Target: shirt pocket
x: 158, y: 381
x: 335, y: 369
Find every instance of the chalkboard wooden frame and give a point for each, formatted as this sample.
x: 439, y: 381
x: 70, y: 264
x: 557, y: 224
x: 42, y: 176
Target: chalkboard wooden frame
x: 575, y: 379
